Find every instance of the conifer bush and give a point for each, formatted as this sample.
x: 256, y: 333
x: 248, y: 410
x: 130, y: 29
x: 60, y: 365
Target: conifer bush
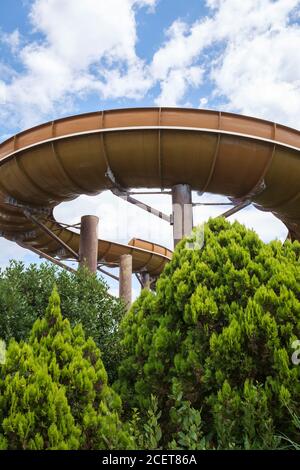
x: 54, y: 392
x: 220, y: 326
x: 24, y: 294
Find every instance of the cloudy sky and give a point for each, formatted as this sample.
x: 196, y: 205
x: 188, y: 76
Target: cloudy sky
x: 61, y: 57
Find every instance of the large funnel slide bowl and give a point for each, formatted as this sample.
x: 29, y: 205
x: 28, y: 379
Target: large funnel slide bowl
x: 222, y: 153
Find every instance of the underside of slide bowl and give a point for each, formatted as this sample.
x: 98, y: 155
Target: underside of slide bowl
x: 222, y: 153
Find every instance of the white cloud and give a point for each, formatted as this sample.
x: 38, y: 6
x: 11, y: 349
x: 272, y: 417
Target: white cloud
x: 2, y: 92
x: 10, y: 250
x: 236, y: 20
x: 12, y: 40
x: 82, y: 32
x: 263, y: 76
x: 85, y: 46
x: 174, y: 87
x: 203, y: 102
x: 258, y: 70
x: 247, y: 51
x: 173, y: 63
x: 115, y: 290
x: 266, y: 225
x: 119, y: 220
x: 135, y: 83
x: 182, y: 47
x: 250, y: 53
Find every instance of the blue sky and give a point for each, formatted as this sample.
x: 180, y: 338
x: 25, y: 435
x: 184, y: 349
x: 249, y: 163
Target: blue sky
x: 61, y: 57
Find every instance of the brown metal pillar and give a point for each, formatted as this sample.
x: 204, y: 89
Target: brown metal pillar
x: 88, y: 249
x: 125, y: 282
x: 182, y: 211
x: 146, y: 281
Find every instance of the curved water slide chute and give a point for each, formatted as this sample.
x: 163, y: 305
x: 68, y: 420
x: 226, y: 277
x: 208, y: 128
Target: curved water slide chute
x: 240, y: 157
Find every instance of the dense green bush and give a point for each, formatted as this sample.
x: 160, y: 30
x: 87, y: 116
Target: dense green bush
x: 185, y: 420
x: 220, y: 327
x: 24, y: 294
x: 54, y: 392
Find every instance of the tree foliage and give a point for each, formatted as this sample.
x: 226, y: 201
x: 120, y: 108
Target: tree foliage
x: 24, y: 294
x: 54, y: 392
x: 185, y: 420
x: 220, y: 325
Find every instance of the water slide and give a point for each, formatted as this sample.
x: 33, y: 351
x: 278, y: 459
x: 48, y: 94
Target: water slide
x: 241, y: 157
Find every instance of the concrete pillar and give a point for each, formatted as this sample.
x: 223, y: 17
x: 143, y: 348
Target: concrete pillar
x: 182, y: 211
x: 125, y: 279
x: 88, y: 249
x: 146, y: 280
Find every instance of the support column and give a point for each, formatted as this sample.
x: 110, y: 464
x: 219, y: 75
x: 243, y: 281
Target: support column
x: 145, y: 277
x: 88, y: 249
x: 182, y: 211
x: 125, y: 279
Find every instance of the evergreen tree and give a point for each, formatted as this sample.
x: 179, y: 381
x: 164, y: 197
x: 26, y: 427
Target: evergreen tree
x: 221, y: 325
x: 54, y: 391
x: 24, y: 294
x: 34, y: 411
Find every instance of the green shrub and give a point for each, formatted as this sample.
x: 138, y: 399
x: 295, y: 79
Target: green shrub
x: 220, y: 325
x: 54, y: 392
x: 24, y: 294
x: 185, y: 422
x: 285, y: 440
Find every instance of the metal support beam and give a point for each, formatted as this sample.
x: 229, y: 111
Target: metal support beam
x: 235, y: 209
x: 125, y: 285
x: 125, y: 195
x: 182, y: 211
x: 212, y: 204
x: 149, y: 193
x: 47, y: 257
x: 88, y: 248
x: 50, y: 233
x: 137, y: 275
x: 106, y: 273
